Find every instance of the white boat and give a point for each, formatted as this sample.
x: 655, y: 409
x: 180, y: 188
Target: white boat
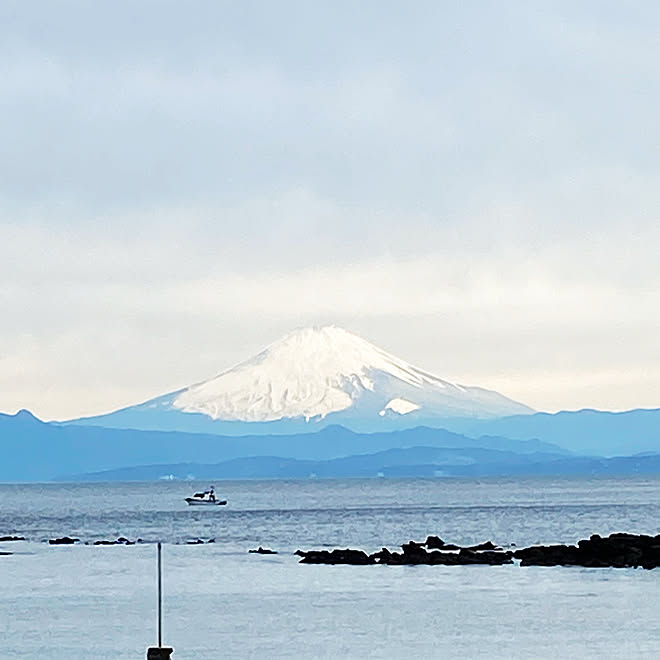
x: 207, y: 498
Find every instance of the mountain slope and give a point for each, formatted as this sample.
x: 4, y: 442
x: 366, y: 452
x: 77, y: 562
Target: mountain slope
x: 313, y: 376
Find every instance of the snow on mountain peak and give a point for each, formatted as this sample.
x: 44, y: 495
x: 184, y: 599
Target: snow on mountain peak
x: 313, y: 372
x: 399, y: 406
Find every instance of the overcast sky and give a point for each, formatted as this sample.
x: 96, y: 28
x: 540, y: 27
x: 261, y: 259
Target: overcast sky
x: 473, y: 186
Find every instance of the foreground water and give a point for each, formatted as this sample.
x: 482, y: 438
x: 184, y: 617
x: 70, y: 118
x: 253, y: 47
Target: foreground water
x: 221, y: 602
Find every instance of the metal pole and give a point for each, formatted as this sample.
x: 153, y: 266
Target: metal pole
x: 160, y: 598
x: 160, y: 652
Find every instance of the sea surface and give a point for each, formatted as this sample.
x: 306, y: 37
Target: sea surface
x: 87, y: 601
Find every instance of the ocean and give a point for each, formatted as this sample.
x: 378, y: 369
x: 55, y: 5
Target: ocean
x: 220, y: 601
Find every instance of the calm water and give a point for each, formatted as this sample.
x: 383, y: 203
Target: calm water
x: 221, y: 602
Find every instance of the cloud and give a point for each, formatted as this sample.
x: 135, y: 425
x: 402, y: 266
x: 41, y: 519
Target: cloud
x: 95, y: 333
x: 472, y: 187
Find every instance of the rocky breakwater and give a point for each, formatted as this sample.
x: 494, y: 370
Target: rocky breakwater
x: 433, y: 551
x: 617, y: 550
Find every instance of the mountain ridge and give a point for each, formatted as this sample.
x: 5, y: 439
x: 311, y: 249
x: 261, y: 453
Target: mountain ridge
x: 587, y: 431
x: 31, y: 450
x: 406, y: 462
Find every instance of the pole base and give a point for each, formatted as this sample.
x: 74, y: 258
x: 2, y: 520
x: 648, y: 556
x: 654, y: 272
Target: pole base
x: 159, y: 653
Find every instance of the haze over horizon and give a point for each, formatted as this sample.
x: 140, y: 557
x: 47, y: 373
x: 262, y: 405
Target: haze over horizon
x: 472, y: 188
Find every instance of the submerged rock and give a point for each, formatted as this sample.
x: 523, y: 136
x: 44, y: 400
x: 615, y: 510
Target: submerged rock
x: 4, y: 539
x: 263, y: 551
x: 120, y: 541
x: 348, y: 556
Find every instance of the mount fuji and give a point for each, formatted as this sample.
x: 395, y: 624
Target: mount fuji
x: 310, y: 379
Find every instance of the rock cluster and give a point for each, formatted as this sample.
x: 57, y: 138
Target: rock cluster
x: 617, y: 550
x: 414, y: 553
x: 11, y: 538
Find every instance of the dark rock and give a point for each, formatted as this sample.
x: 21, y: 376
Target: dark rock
x: 65, y: 540
x: 414, y: 553
x: 547, y: 555
x: 262, y: 551
x: 434, y: 543
x: 3, y: 539
x: 490, y: 557
x: 382, y: 557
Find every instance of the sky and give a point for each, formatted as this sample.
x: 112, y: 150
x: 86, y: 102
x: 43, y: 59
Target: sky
x: 473, y: 186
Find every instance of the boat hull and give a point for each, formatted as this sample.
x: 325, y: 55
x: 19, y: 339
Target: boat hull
x: 197, y: 502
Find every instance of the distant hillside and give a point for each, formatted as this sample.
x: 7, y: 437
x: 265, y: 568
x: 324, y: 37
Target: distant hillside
x: 31, y: 450
x: 412, y: 462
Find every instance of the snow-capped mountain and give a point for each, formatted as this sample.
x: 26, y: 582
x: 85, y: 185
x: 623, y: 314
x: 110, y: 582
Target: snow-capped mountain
x: 314, y: 376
